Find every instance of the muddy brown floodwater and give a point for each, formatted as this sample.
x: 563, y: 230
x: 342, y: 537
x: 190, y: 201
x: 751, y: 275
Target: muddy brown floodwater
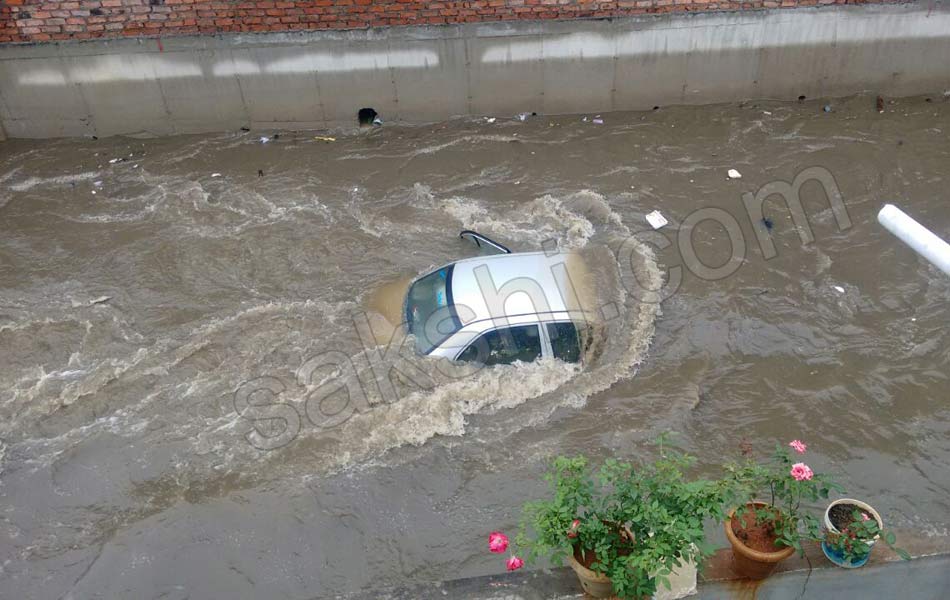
x: 165, y: 441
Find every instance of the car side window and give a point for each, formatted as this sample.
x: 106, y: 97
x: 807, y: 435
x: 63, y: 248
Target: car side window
x: 564, y: 341
x: 504, y: 346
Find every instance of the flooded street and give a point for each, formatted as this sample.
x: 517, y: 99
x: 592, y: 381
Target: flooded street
x: 170, y: 320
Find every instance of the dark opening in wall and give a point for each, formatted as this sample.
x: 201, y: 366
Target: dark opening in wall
x: 366, y: 116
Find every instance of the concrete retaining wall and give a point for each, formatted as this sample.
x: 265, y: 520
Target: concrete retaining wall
x: 321, y: 79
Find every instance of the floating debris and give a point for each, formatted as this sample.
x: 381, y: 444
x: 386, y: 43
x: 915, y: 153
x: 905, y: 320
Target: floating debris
x: 324, y: 138
x: 839, y: 289
x: 597, y: 121
x: 826, y: 108
x: 264, y: 139
x: 656, y: 220
x: 733, y: 174
x: 522, y: 116
x: 100, y: 300
x: 216, y: 174
x: 880, y: 104
x: 490, y: 119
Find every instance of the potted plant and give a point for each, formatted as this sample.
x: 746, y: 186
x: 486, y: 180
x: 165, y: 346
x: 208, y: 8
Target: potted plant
x: 624, y: 529
x: 851, y: 529
x: 763, y: 533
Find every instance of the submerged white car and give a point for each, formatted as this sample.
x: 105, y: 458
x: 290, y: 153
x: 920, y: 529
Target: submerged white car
x: 501, y: 308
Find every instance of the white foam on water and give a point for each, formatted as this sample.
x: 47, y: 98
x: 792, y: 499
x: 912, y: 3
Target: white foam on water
x: 34, y: 399
x: 467, y: 140
x: 530, y: 225
x: 56, y: 181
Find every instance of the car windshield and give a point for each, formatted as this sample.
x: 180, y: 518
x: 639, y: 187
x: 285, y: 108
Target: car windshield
x: 430, y: 314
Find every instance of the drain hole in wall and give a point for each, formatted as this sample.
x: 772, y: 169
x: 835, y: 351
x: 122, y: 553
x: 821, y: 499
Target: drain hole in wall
x: 366, y: 116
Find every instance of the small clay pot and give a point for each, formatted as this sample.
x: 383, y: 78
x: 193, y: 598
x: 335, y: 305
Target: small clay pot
x: 749, y: 563
x: 596, y: 584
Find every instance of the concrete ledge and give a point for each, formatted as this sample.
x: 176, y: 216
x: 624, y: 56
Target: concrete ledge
x: 885, y: 577
x: 425, y: 74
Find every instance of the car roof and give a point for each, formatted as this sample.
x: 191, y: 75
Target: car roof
x: 513, y: 288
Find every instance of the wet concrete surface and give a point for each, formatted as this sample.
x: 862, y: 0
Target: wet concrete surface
x: 136, y: 462
x: 924, y: 578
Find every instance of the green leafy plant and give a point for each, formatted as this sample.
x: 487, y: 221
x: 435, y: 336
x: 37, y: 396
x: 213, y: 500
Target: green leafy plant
x: 787, y: 485
x: 854, y: 541
x: 632, y: 523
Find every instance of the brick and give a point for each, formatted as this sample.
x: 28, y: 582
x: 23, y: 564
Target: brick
x: 39, y: 20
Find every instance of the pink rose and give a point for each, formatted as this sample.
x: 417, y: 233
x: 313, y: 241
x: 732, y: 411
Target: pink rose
x: 572, y: 532
x: 514, y: 563
x: 798, y: 446
x: 801, y: 472
x: 497, y: 542
x: 865, y: 517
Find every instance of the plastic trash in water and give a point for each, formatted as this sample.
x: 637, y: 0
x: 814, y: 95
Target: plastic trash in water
x: 216, y: 174
x: 656, y: 220
x: 264, y: 139
x: 827, y: 108
x: 377, y: 121
x: 522, y: 116
x: 597, y: 121
x: 100, y: 299
x: 733, y: 174
x: 839, y: 289
x: 489, y: 119
x: 324, y: 138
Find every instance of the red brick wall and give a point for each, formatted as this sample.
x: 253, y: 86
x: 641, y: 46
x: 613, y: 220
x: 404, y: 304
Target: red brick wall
x: 39, y: 20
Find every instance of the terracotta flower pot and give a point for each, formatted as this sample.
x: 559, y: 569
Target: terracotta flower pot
x: 594, y: 583
x: 749, y: 563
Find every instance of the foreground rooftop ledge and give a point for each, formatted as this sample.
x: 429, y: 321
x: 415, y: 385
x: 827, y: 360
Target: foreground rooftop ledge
x: 925, y: 577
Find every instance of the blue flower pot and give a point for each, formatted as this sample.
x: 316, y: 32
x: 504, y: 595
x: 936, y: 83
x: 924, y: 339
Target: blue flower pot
x: 839, y: 559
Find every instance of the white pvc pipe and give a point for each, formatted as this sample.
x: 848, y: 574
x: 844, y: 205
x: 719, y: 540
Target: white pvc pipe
x: 919, y: 238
